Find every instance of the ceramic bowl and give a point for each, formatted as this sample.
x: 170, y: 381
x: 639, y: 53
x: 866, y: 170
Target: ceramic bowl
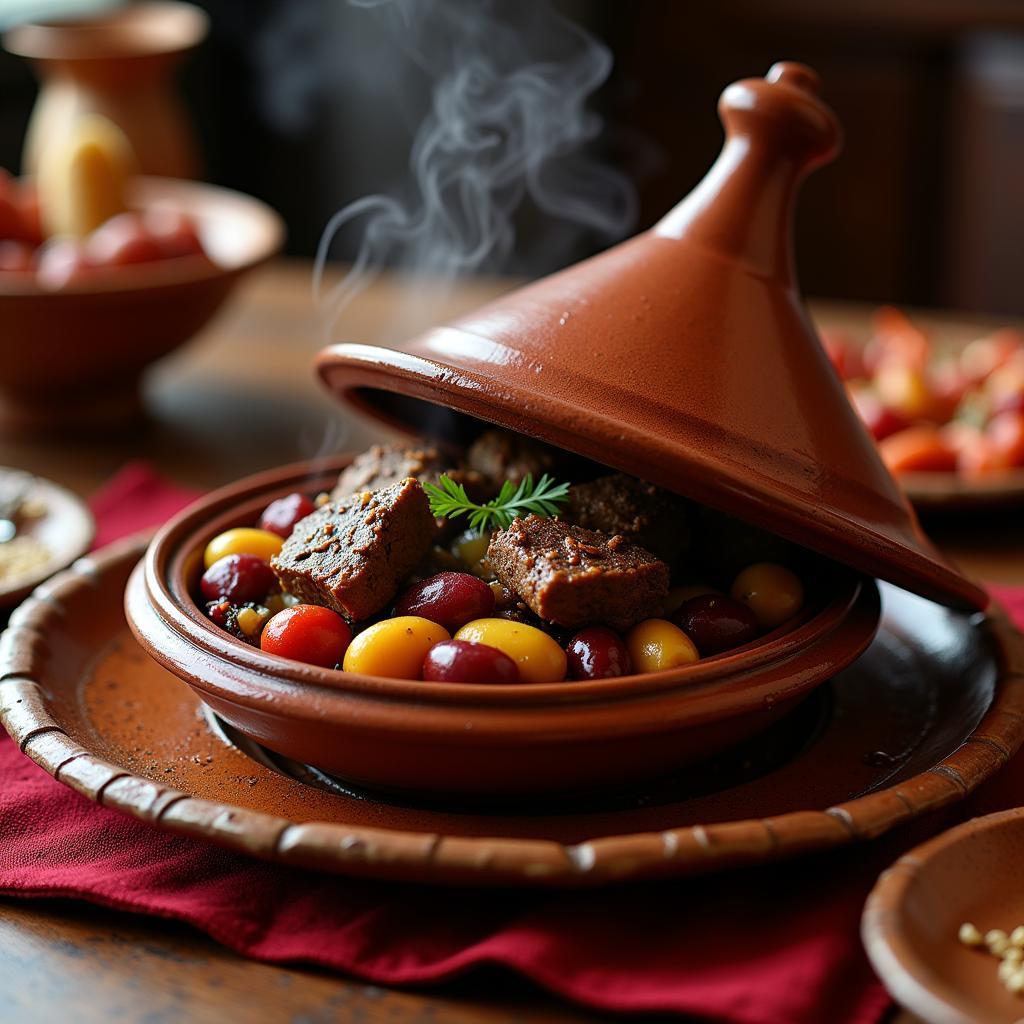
x: 397, y: 735
x: 912, y: 919
x: 76, y: 354
x: 64, y: 527
x: 684, y: 356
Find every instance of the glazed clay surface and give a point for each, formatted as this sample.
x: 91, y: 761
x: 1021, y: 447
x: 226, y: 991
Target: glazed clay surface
x: 404, y: 735
x: 684, y: 356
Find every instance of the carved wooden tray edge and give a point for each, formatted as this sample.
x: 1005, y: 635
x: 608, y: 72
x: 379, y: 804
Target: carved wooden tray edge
x: 420, y: 856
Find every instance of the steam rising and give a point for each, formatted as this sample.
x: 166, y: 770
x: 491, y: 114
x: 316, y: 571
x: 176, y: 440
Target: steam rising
x: 508, y: 124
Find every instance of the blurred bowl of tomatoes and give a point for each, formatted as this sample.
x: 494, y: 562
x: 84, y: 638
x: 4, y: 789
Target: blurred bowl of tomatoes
x: 80, y: 319
x: 948, y: 416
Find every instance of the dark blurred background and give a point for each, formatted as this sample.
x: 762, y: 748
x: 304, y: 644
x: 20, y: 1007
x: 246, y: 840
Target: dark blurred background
x: 310, y: 104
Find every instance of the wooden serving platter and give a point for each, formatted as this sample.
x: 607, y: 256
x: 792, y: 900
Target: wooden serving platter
x: 935, y: 706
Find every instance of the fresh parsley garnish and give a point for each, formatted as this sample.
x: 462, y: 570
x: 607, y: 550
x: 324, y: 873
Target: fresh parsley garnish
x: 450, y: 500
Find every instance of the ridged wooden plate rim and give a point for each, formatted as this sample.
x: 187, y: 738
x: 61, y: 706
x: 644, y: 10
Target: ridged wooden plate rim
x: 419, y: 856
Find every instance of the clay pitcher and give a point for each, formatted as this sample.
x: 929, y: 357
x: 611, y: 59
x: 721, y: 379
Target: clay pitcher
x: 119, y: 65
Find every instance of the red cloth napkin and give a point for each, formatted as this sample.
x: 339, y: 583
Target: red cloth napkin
x: 772, y: 945
x: 134, y: 499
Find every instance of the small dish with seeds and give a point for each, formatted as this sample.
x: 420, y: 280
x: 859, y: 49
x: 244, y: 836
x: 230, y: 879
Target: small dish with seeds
x: 942, y: 926
x: 46, y: 528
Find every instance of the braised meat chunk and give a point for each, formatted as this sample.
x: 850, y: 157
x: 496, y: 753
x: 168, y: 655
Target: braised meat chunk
x: 640, y: 512
x: 386, y: 464
x: 575, y: 577
x: 352, y: 554
x: 498, y: 455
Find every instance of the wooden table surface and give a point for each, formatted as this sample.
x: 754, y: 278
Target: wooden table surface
x: 241, y: 398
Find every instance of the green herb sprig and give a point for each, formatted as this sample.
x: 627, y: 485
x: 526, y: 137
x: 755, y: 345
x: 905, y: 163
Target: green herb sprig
x: 450, y: 500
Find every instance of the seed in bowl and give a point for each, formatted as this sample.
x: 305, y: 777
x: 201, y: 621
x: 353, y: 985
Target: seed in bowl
x: 537, y: 654
x: 471, y: 548
x: 716, y: 623
x: 598, y: 653
x: 1009, y: 949
x: 238, y: 579
x: 772, y: 592
x: 656, y: 644
x: 451, y: 599
x: 281, y: 516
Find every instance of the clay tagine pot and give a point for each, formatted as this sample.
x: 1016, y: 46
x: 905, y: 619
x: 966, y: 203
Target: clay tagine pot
x: 469, y: 739
x: 684, y: 357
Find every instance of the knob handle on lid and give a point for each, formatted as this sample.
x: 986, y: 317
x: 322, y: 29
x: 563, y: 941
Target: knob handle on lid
x: 793, y: 73
x: 777, y: 131
x: 685, y: 357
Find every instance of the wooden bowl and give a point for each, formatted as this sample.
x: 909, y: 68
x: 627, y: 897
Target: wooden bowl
x: 399, y: 735
x: 76, y: 355
x: 971, y: 873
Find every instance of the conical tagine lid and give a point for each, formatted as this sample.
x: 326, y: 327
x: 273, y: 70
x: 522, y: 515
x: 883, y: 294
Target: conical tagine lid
x: 685, y: 356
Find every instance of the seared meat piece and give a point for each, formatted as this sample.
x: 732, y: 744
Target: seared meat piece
x: 640, y: 512
x: 386, y: 464
x: 577, y: 577
x: 351, y: 555
x: 499, y: 455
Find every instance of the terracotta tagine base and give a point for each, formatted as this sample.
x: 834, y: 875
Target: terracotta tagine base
x: 934, y: 706
x: 405, y: 736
